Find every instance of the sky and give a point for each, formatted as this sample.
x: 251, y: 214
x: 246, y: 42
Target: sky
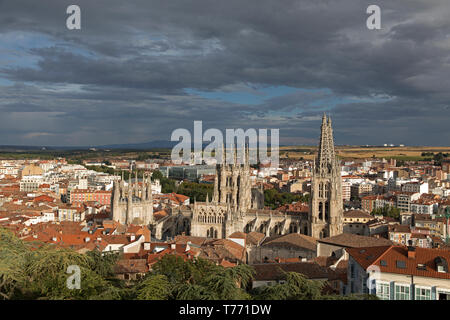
x: 139, y: 69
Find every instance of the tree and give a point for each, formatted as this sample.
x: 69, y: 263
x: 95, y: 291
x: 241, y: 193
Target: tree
x: 31, y: 270
x: 296, y: 287
x: 203, y: 280
x: 48, y: 267
x: 13, y: 254
x: 190, y: 291
x: 195, y: 190
x: 157, y: 175
x: 154, y: 287
x: 229, y: 283
x: 103, y: 263
x: 275, y: 199
x: 174, y: 268
x: 387, y: 211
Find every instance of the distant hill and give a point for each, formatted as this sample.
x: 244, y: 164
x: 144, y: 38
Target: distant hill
x: 156, y: 144
x: 144, y: 145
x: 135, y: 146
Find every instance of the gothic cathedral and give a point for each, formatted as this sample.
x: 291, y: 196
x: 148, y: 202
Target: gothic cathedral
x: 238, y: 206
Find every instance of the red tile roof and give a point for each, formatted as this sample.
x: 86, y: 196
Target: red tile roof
x: 355, y: 241
x: 391, y: 254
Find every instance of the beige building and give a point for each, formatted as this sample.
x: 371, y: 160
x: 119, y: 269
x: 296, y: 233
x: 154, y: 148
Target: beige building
x: 31, y: 170
x: 355, y: 221
x: 288, y: 246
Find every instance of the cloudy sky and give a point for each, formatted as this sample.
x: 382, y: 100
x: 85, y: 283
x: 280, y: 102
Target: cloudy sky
x: 137, y: 70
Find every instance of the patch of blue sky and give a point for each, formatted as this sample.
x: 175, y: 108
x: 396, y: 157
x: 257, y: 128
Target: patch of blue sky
x: 5, y: 82
x: 253, y: 95
x: 328, y: 103
x: 333, y: 101
x: 16, y: 48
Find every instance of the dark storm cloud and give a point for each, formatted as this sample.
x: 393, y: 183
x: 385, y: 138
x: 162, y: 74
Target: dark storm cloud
x: 122, y: 78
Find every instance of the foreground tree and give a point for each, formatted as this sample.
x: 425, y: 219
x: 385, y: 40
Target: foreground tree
x: 154, y: 287
x: 40, y: 271
x: 296, y: 287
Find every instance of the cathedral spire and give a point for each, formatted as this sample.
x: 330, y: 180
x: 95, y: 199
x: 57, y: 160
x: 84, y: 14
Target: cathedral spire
x: 326, y: 156
x: 247, y: 155
x: 223, y: 153
x: 325, y: 207
x: 235, y: 147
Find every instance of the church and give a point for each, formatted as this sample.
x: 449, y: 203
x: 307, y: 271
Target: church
x: 132, y: 203
x: 238, y: 206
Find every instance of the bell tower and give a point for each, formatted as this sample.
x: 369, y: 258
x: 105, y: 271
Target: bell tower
x: 325, y: 217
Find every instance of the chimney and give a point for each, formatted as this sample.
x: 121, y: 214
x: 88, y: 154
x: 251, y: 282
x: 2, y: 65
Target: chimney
x: 411, y: 252
x: 147, y: 234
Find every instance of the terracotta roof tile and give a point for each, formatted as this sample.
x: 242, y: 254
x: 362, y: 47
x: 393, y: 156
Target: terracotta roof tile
x: 355, y: 241
x: 390, y: 255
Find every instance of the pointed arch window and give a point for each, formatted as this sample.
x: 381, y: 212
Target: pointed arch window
x: 320, y: 210
x: 327, y: 211
x: 327, y: 190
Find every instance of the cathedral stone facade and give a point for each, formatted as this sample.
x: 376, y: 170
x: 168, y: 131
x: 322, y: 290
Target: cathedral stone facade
x: 132, y: 203
x: 233, y: 199
x: 325, y: 207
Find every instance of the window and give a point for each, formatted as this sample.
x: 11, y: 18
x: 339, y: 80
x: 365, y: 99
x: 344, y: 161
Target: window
x: 423, y: 294
x: 401, y: 264
x: 401, y: 292
x: 421, y: 266
x: 383, y: 263
x: 383, y: 291
x: 364, y: 285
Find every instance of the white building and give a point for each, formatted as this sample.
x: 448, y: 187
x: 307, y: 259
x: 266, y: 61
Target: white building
x: 399, y: 273
x: 420, y: 187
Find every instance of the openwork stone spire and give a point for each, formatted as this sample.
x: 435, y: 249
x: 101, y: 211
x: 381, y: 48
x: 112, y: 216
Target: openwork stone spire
x: 326, y: 159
